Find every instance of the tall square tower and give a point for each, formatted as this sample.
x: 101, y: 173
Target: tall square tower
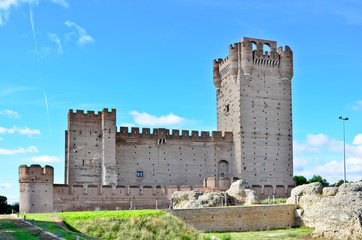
x: 254, y: 101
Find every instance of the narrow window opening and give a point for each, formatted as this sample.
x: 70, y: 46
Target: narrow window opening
x: 139, y: 173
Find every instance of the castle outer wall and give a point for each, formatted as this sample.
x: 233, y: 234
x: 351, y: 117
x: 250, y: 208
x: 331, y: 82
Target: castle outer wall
x: 161, y: 157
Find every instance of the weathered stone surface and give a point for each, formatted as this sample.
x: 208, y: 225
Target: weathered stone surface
x: 215, y: 199
x: 307, y: 189
x: 186, y: 199
x: 240, y: 218
x: 335, y: 217
x: 240, y: 191
x: 330, y: 191
x: 238, y: 194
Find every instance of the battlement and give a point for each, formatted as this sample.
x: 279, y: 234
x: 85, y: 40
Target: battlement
x: 259, y: 44
x: 286, y: 49
x: 82, y: 115
x: 162, y: 133
x: 36, y: 174
x: 252, y: 52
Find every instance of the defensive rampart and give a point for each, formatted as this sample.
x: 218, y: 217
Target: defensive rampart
x: 174, y: 134
x: 234, y: 219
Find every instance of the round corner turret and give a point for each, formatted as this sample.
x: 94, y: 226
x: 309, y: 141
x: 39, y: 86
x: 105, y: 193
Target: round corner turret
x: 36, y: 188
x: 233, y: 56
x: 286, y: 63
x: 246, y: 56
x: 217, y: 77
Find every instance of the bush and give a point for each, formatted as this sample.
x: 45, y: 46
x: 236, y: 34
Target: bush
x: 317, y: 178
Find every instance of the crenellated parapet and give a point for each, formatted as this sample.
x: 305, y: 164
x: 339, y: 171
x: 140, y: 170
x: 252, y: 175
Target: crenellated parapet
x: 36, y: 174
x: 84, y: 114
x: 174, y: 134
x: 81, y: 115
x: 250, y: 53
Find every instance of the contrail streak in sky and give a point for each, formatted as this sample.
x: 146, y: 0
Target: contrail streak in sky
x: 46, y: 104
x: 41, y: 78
x: 32, y: 27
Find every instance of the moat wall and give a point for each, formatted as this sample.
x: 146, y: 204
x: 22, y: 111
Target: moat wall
x: 235, y: 219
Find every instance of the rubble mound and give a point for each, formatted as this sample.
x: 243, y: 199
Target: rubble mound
x: 335, y: 213
x: 239, y: 193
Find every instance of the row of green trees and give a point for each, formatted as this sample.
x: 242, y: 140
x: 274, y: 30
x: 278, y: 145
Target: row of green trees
x: 7, y: 208
x: 300, y: 180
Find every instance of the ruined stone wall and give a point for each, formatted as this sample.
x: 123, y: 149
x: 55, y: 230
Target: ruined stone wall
x: 235, y: 219
x: 172, y: 159
x: 254, y: 101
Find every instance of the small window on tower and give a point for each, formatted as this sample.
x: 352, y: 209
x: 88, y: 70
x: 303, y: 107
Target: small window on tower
x: 139, y: 173
x: 227, y: 108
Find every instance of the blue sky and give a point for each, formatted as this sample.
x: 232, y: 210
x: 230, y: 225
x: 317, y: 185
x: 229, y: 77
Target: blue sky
x: 152, y: 61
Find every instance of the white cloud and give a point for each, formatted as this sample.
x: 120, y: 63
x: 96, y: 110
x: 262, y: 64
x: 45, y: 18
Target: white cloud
x: 299, y: 148
x: 28, y: 131
x: 45, y: 159
x: 54, y: 37
x: 31, y: 149
x: 357, y: 139
x: 129, y: 125
x: 358, y: 105
x: 12, y: 199
x: 7, y: 5
x: 83, y: 37
x: 146, y: 119
x: 299, y: 163
x: 323, y: 163
x: 9, y: 113
x: 6, y: 185
x: 333, y: 170
x: 317, y: 140
x: 22, y: 131
x: 7, y: 130
x: 63, y: 3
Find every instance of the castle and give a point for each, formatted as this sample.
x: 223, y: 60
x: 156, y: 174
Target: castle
x: 110, y: 169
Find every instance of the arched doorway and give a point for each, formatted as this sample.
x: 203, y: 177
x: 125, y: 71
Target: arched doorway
x: 223, y: 169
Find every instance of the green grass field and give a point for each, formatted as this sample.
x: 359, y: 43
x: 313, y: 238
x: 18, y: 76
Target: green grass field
x: 11, y: 228
x: 146, y: 224
x: 137, y: 224
x: 284, y: 234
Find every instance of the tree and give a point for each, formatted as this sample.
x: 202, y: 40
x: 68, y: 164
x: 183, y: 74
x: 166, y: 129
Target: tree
x: 300, y: 180
x: 339, y: 183
x: 15, y: 206
x: 4, y: 206
x: 317, y: 178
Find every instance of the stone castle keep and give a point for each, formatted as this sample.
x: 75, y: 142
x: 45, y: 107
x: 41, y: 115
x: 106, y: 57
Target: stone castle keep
x: 107, y: 168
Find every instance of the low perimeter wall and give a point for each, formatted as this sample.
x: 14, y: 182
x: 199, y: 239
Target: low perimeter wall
x: 236, y: 219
